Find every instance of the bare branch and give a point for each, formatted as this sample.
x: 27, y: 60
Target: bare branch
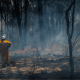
x: 67, y: 19
x: 73, y: 19
x: 71, y: 5
x: 61, y: 3
x: 76, y: 38
x: 75, y: 43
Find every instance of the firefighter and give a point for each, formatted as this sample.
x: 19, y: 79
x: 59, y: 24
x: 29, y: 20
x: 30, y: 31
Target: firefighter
x: 4, y: 46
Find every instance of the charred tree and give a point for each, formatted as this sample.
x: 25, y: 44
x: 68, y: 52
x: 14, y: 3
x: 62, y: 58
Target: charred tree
x: 19, y: 18
x: 1, y: 18
x: 25, y: 20
x: 7, y: 13
x: 1, y: 26
x: 46, y: 16
x: 41, y: 23
x: 70, y: 34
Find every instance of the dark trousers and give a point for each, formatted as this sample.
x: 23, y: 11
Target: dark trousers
x: 3, y: 55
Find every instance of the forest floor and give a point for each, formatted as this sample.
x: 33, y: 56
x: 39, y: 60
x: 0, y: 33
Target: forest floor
x: 40, y: 68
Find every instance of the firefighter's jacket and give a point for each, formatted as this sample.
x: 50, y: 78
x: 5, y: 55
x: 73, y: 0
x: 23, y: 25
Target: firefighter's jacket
x: 4, y: 45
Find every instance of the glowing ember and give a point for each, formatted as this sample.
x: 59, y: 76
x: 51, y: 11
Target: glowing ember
x: 19, y: 51
x: 25, y: 50
x: 28, y: 50
x: 47, y: 49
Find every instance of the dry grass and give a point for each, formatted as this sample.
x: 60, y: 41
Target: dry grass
x: 48, y: 67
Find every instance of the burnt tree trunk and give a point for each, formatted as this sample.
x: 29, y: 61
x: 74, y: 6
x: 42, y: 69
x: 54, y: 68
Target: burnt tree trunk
x: 1, y: 19
x: 71, y: 57
x: 19, y: 19
x: 7, y: 21
x: 41, y: 24
x: 1, y: 25
x: 25, y: 21
x: 70, y: 34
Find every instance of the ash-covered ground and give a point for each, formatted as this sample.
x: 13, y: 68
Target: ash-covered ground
x: 48, y: 67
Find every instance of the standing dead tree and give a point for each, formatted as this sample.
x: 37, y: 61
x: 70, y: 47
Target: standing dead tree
x: 25, y: 19
x: 41, y: 23
x: 70, y: 34
x: 19, y: 18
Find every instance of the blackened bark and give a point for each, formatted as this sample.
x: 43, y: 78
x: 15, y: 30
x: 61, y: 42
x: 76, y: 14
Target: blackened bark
x: 70, y: 36
x: 17, y: 11
x: 19, y: 19
x: 41, y: 24
x: 71, y: 57
x: 25, y: 21
x: 1, y: 25
x: 1, y: 18
x: 5, y: 23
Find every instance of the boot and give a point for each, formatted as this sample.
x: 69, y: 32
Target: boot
x: 3, y: 66
x: 8, y: 64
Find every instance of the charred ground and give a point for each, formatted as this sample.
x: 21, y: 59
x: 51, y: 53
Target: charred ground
x: 42, y: 67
